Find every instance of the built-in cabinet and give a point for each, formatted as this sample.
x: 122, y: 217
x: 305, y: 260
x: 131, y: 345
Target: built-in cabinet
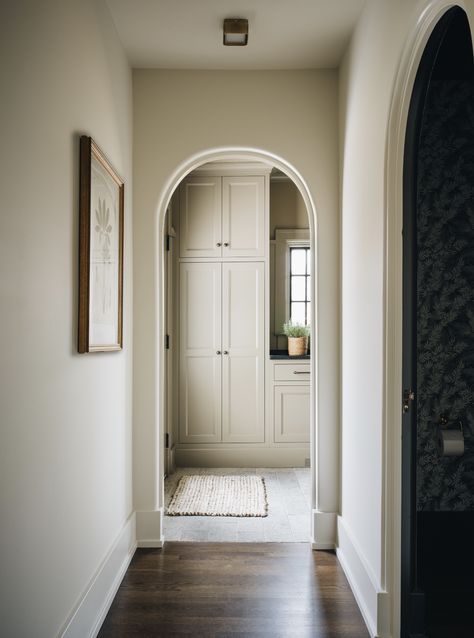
x: 222, y: 354
x: 234, y: 406
x: 222, y: 217
x: 291, y: 402
x: 222, y: 309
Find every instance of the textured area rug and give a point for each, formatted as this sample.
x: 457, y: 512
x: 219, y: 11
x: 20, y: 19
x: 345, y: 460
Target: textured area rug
x: 201, y: 495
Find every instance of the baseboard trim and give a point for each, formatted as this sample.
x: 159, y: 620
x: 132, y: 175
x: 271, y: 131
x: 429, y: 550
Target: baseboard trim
x: 149, y: 528
x: 91, y: 610
x: 324, y: 530
x: 373, y: 602
x: 240, y: 456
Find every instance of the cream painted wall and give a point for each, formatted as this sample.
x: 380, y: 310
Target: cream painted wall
x: 287, y: 208
x: 65, y: 451
x: 366, y: 84
x: 178, y: 113
x: 366, y: 80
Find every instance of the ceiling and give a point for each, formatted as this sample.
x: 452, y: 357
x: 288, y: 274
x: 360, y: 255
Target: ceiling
x: 187, y: 34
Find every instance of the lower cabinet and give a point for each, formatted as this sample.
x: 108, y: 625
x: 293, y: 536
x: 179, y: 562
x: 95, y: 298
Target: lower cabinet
x: 291, y: 413
x: 291, y: 401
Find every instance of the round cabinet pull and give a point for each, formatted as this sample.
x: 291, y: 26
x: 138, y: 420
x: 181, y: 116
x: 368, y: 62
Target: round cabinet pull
x: 218, y: 352
x: 226, y: 243
x: 225, y: 352
x: 218, y: 244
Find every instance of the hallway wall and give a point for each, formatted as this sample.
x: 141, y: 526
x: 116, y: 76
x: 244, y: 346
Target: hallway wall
x: 65, y: 450
x: 178, y: 113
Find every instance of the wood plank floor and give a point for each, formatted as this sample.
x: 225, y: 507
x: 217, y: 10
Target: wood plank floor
x: 277, y: 590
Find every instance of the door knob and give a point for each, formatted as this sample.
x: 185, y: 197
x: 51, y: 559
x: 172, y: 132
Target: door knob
x: 225, y: 352
x: 218, y: 352
x: 218, y: 243
x: 226, y: 243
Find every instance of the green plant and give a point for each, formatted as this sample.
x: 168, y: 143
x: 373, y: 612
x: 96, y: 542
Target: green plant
x: 295, y: 329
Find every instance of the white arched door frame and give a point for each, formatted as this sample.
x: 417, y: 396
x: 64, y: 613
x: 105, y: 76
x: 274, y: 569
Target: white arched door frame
x: 322, y: 534
x: 393, y: 295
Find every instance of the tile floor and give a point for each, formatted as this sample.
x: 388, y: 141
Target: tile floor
x: 288, y: 520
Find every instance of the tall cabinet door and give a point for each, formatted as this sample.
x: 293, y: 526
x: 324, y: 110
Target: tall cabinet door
x: 200, y: 359
x: 243, y: 216
x: 243, y: 326
x: 200, y: 218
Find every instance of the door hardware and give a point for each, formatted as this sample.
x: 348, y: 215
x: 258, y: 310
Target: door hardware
x: 218, y: 352
x: 225, y: 352
x: 218, y: 244
x: 408, y: 398
x: 226, y: 243
x: 301, y: 372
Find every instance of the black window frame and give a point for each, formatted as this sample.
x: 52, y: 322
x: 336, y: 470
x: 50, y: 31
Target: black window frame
x: 307, y: 275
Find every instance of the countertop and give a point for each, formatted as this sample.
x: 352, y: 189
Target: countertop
x: 283, y: 354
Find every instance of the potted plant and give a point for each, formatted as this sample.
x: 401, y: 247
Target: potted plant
x: 297, y: 334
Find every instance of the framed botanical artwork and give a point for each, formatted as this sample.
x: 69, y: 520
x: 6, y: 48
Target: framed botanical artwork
x: 100, y: 251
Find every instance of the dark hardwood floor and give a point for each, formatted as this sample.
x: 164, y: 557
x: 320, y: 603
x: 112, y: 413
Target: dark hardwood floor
x: 277, y: 590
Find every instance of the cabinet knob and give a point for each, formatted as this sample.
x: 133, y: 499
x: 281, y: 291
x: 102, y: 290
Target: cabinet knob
x: 218, y: 352
x: 218, y: 243
x: 226, y: 243
x: 225, y: 352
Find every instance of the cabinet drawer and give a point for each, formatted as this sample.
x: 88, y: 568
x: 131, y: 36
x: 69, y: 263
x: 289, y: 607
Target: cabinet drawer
x: 299, y: 372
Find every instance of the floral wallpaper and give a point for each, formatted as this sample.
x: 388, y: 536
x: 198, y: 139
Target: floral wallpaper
x: 445, y: 294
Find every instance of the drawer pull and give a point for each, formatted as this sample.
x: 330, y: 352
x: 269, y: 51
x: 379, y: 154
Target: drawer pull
x: 301, y: 372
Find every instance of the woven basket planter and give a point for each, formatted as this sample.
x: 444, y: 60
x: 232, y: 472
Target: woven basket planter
x: 297, y: 346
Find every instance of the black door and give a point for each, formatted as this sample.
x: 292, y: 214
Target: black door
x: 438, y: 337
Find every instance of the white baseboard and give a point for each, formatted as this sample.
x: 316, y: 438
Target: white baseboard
x: 324, y: 530
x: 149, y: 528
x: 87, y: 618
x: 242, y: 457
x: 374, y: 603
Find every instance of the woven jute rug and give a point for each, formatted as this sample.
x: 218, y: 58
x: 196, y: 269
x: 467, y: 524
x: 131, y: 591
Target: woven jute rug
x: 212, y: 495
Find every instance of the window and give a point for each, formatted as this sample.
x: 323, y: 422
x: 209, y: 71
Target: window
x: 282, y: 299
x: 300, y: 284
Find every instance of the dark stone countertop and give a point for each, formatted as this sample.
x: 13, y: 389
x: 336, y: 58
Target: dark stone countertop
x: 283, y: 354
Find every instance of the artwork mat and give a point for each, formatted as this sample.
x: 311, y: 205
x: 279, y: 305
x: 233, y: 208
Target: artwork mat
x: 91, y: 154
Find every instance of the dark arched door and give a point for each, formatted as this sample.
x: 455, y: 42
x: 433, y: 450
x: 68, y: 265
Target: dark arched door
x: 438, y: 339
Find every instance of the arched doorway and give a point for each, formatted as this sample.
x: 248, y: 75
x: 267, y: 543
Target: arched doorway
x: 418, y: 42
x: 240, y: 154
x: 438, y: 260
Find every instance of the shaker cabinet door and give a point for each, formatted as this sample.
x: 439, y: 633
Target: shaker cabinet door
x: 200, y: 219
x: 291, y: 413
x: 243, y: 216
x: 200, y: 364
x: 243, y: 388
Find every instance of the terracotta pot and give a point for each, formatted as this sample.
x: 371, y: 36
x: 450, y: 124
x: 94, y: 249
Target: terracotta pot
x: 297, y: 346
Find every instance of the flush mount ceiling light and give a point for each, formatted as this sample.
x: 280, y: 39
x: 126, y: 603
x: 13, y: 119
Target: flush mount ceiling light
x: 236, y: 32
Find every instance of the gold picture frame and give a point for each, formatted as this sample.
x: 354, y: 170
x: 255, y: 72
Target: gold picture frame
x: 101, y: 219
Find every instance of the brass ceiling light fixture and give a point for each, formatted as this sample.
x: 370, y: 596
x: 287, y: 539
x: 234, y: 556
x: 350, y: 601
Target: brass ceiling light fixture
x: 236, y: 32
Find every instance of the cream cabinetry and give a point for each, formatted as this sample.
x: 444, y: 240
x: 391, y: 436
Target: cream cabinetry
x: 200, y: 365
x: 235, y: 405
x: 200, y: 217
x: 222, y: 352
x: 243, y: 359
x: 243, y: 219
x: 291, y: 402
x: 222, y: 216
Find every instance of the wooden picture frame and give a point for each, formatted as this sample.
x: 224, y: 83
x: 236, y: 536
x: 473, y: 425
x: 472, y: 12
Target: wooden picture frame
x: 101, y: 203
